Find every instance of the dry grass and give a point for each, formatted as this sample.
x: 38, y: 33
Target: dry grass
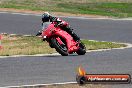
x: 18, y: 45
x: 30, y: 45
x: 75, y: 86
x: 71, y: 86
x: 72, y: 1
x: 51, y: 3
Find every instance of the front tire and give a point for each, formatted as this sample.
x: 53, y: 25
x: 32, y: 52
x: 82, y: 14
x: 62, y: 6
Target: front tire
x: 82, y: 49
x: 60, y: 49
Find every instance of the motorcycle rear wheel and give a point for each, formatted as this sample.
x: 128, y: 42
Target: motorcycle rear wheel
x: 82, y: 49
x: 59, y: 48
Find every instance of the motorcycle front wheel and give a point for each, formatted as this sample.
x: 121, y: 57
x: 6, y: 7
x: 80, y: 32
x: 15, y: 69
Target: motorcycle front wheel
x: 61, y: 49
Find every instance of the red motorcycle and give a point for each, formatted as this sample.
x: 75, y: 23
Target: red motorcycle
x: 62, y: 41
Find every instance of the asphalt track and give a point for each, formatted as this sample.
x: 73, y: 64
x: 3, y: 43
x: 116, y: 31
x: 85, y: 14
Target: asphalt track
x: 51, y: 69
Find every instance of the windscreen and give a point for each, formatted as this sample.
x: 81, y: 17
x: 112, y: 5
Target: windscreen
x: 45, y: 25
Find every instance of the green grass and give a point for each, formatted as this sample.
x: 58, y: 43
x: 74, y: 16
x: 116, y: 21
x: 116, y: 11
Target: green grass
x: 115, y: 8
x: 30, y: 45
x: 107, y: 9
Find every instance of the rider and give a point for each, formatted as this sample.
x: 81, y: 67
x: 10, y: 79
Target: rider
x: 46, y: 17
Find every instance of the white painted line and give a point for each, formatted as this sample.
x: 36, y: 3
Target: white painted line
x: 37, y: 85
x: 26, y: 14
x: 4, y: 12
x: 77, y: 17
x: 16, y: 34
x: 98, y: 18
x: 128, y: 45
x: 36, y: 55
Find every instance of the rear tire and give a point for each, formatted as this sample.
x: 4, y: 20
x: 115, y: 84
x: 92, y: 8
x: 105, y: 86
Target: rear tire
x: 82, y: 49
x: 60, y: 49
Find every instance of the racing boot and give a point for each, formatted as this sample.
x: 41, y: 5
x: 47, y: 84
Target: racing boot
x: 75, y: 36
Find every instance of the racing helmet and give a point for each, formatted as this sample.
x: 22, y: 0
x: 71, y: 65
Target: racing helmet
x: 45, y: 17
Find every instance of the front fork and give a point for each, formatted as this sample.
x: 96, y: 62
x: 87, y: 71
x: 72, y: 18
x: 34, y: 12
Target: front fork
x: 59, y: 41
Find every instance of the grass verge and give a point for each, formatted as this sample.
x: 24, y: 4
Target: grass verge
x: 114, y: 8
x: 30, y: 45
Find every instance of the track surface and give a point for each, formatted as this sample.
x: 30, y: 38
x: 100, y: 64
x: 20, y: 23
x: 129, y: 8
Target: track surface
x: 50, y: 69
